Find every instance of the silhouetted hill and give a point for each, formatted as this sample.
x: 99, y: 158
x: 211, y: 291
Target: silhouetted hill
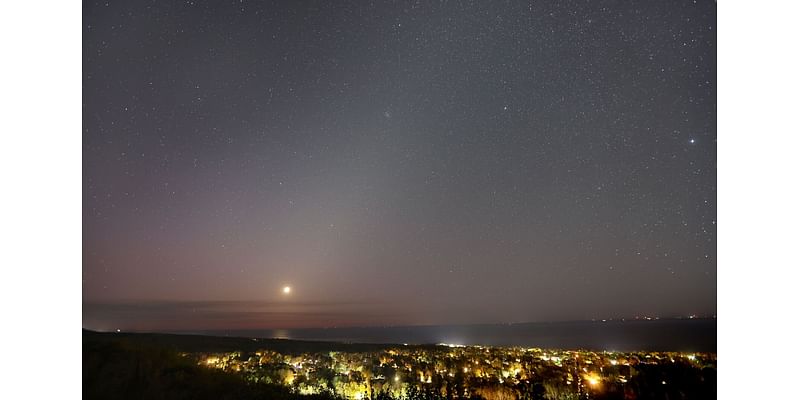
x: 144, y: 366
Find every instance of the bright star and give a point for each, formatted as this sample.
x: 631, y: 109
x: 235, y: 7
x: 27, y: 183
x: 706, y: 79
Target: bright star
x: 287, y: 290
x: 691, y: 141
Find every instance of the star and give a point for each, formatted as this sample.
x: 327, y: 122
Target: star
x: 418, y: 166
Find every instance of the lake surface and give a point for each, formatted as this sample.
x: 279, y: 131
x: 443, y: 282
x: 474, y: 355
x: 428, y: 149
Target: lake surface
x: 689, y: 335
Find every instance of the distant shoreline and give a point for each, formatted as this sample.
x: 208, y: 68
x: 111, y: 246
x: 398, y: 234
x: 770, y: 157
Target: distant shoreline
x: 679, y: 335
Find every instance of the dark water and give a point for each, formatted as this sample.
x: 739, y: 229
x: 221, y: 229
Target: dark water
x: 690, y: 335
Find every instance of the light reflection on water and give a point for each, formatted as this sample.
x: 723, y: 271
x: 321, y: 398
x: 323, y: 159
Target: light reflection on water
x: 280, y: 334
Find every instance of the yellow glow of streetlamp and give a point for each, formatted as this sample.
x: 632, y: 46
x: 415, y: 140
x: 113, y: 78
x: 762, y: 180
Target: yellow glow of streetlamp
x: 592, y: 379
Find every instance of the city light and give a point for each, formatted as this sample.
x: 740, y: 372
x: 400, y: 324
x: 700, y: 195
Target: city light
x: 592, y: 379
x: 362, y: 373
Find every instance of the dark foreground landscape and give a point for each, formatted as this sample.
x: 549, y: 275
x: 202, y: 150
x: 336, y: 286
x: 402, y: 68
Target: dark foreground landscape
x: 167, y: 366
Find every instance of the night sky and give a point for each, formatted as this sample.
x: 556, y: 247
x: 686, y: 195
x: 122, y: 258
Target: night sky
x: 396, y: 163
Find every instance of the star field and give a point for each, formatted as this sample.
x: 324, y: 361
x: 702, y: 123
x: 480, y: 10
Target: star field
x: 400, y: 162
